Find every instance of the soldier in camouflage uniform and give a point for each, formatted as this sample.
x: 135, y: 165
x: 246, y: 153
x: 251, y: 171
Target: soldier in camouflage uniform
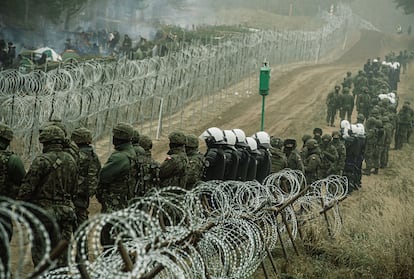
x: 173, y: 171
x: 11, y: 174
x: 348, y: 80
x: 332, y: 103
x: 303, y: 150
x: 371, y: 146
x: 363, y: 102
x: 404, y: 122
x: 341, y: 150
x: 346, y: 104
x: 312, y: 162
x: 317, y: 135
x: 51, y: 183
x: 294, y: 160
x: 387, y: 141
x: 360, y: 82
x: 89, y: 167
x: 117, y: 178
x: 279, y: 160
x: 135, y: 143
x: 149, y: 174
x: 329, y: 156
x: 195, y: 162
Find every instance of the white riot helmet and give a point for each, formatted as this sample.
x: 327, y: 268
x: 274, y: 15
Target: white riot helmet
x: 262, y: 138
x: 230, y: 137
x: 358, y: 130
x: 345, y: 127
x: 212, y: 135
x: 251, y: 142
x: 240, y: 137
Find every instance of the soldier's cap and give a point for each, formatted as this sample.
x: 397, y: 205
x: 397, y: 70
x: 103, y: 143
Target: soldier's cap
x: 289, y: 143
x: 145, y: 142
x: 123, y: 131
x: 192, y: 141
x: 177, y: 138
x: 6, y: 132
x: 336, y: 134
x: 81, y: 135
x: 317, y: 131
x: 135, y: 136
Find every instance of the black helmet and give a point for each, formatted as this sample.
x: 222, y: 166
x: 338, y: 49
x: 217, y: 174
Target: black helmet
x: 290, y: 143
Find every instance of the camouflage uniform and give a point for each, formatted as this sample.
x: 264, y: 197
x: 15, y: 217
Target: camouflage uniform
x: 89, y: 167
x: 11, y: 174
x: 304, y: 149
x: 317, y: 135
x: 149, y: 174
x: 332, y: 103
x: 329, y: 157
x: 363, y: 102
x: 294, y: 160
x: 404, y: 122
x: 195, y: 162
x: 371, y: 145
x: 136, y: 144
x: 51, y: 183
x: 348, y: 80
x: 388, y: 128
x: 173, y: 171
x: 341, y: 150
x: 279, y: 160
x: 312, y: 162
x: 346, y: 104
x: 117, y: 178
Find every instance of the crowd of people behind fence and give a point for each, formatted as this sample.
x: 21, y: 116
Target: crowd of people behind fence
x: 68, y: 172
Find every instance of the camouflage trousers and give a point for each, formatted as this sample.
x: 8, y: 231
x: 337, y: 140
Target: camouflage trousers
x: 64, y: 217
x: 111, y: 204
x: 372, y: 156
x: 330, y: 115
x: 384, y: 156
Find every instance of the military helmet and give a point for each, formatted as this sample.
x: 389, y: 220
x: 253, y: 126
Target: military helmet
x: 57, y: 123
x: 317, y: 131
x: 145, y: 142
x: 135, y: 136
x: 252, y: 143
x: 360, y: 116
x: 213, y: 135
x: 123, y: 131
x: 337, y: 86
x: 6, y: 132
x: 290, y: 143
x: 365, y: 89
x: 81, y: 135
x: 51, y: 133
x: 311, y: 143
x: 276, y: 142
x: 177, y: 138
x: 345, y: 89
x: 374, y: 111
x: 192, y: 141
x: 230, y: 137
x: 348, y: 73
x: 326, y: 137
x: 385, y: 119
x: 306, y: 137
x: 336, y: 134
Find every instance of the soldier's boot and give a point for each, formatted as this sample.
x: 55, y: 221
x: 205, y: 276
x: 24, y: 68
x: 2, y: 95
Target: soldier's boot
x: 375, y: 171
x: 366, y: 171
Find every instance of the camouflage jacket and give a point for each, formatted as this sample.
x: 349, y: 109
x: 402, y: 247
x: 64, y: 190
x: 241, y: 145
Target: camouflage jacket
x: 294, y: 161
x: 329, y: 157
x: 173, y: 171
x: 340, y: 162
x: 279, y: 160
x: 11, y: 173
x: 196, y: 165
x: 312, y: 165
x: 89, y: 167
x: 149, y: 174
x: 52, y: 178
x: 117, y: 178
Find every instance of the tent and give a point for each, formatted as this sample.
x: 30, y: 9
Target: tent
x: 51, y: 55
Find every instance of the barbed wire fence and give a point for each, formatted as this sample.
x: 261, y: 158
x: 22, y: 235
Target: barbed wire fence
x: 219, y: 229
x: 148, y: 93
